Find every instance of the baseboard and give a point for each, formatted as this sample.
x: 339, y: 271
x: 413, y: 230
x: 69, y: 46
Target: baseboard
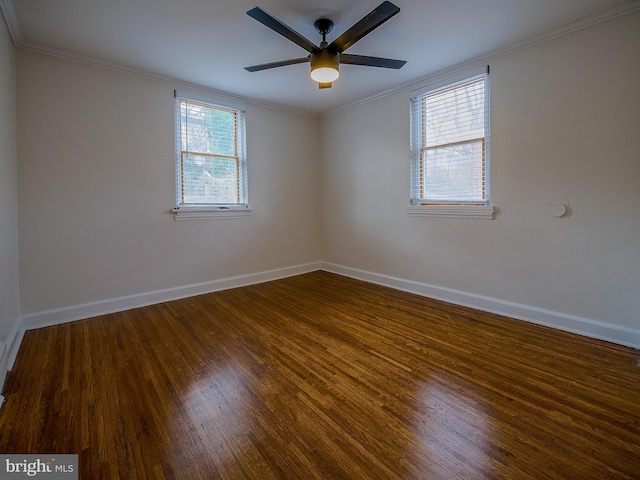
x: 3, y: 369
x: 570, y: 323
x: 104, y: 307
x: 9, y: 352
x: 14, y: 340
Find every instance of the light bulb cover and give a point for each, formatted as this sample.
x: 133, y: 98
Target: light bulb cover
x: 325, y: 74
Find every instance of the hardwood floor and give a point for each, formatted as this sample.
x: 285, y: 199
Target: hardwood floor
x: 320, y: 376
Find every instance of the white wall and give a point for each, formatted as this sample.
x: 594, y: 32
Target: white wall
x: 9, y: 291
x: 96, y: 184
x: 565, y: 119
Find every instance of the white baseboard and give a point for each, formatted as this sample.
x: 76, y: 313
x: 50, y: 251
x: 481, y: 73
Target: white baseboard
x: 9, y: 351
x: 13, y: 342
x: 570, y: 323
x: 88, y: 310
x: 3, y: 368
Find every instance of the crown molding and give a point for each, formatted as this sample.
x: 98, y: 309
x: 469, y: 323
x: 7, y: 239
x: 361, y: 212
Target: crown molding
x: 9, y: 14
x: 580, y: 24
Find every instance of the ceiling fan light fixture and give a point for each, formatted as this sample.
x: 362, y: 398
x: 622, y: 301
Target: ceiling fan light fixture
x: 325, y: 58
x: 324, y: 66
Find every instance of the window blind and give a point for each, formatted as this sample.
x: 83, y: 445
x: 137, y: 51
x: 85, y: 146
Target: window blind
x: 210, y: 163
x: 450, y: 143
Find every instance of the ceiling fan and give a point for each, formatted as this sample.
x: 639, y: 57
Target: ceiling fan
x: 326, y: 58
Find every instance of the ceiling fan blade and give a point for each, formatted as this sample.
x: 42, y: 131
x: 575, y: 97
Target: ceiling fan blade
x: 371, y: 61
x: 281, y: 63
x: 377, y: 17
x: 276, y: 25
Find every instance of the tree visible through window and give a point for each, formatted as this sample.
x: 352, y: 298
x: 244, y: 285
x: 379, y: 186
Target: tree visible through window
x: 210, y: 163
x: 450, y: 135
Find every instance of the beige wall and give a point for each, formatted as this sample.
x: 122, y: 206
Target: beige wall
x: 565, y: 120
x: 96, y: 184
x: 9, y: 291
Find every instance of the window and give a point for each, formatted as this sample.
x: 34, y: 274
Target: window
x: 210, y: 159
x: 450, y: 148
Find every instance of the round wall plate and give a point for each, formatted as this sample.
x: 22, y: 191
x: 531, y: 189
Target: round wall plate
x: 556, y: 209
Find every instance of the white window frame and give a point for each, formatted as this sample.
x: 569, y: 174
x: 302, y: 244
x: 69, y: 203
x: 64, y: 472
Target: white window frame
x: 442, y: 208
x: 201, y: 211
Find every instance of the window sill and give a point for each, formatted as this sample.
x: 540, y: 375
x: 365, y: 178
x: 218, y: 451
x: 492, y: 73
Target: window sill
x: 210, y: 213
x: 480, y: 212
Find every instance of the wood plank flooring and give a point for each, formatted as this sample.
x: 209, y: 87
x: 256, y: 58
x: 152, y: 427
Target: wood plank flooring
x: 317, y: 377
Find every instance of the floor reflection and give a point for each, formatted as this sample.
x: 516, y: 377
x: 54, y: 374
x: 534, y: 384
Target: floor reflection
x: 453, y: 431
x: 211, y: 421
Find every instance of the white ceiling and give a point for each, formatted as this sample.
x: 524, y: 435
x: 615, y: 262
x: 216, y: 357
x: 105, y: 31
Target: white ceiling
x: 208, y: 42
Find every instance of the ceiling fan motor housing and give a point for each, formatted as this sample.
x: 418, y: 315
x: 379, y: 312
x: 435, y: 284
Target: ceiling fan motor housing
x: 324, y: 60
x: 324, y: 57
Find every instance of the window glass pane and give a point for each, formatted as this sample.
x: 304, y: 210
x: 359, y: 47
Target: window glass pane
x: 208, y: 179
x: 454, y: 171
x: 454, y: 114
x: 208, y: 130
